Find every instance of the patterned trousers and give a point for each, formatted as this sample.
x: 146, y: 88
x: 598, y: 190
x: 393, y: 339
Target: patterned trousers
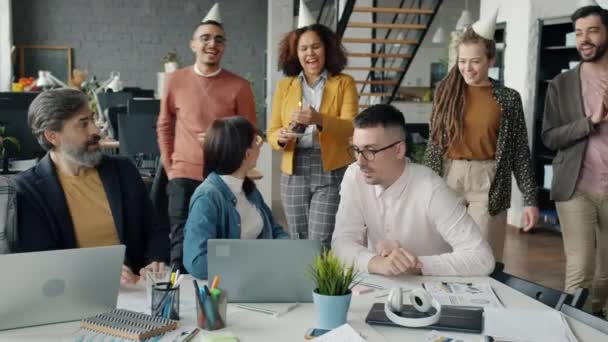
x: 310, y: 197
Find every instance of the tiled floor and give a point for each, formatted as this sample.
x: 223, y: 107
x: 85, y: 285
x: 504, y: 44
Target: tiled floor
x: 537, y: 256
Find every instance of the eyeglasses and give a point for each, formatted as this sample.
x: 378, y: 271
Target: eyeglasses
x: 368, y: 154
x: 207, y: 38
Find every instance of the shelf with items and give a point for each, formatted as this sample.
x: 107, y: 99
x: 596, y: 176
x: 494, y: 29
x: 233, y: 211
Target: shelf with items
x: 556, y: 54
x: 563, y: 47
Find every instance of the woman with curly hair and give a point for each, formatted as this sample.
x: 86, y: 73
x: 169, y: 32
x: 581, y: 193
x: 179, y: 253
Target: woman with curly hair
x: 312, y: 112
x: 478, y: 138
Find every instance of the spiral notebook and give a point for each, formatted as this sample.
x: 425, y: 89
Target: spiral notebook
x: 129, y: 324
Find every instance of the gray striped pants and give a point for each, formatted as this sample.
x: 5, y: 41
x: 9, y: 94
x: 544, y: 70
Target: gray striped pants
x: 310, y: 197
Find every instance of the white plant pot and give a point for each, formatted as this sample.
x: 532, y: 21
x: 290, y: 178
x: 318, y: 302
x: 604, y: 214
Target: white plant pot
x: 171, y: 67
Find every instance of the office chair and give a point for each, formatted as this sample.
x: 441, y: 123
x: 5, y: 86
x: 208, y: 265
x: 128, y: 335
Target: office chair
x: 548, y: 296
x: 585, y: 317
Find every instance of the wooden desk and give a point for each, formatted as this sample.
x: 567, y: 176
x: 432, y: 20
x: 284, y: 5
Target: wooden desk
x: 254, y: 326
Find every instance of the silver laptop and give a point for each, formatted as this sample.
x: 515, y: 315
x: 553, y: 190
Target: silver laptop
x: 58, y: 286
x: 263, y: 271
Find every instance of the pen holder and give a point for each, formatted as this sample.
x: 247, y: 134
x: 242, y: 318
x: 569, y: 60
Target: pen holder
x: 165, y: 301
x: 211, y: 311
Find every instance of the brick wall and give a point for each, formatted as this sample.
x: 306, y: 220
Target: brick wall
x: 132, y: 36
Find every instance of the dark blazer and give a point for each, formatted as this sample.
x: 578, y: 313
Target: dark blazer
x: 566, y: 130
x: 44, y: 220
x: 512, y: 153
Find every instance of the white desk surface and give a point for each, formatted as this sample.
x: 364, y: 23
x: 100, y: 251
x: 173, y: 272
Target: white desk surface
x: 252, y: 326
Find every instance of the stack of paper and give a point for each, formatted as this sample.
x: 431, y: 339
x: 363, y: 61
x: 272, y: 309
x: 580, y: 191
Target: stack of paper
x: 343, y: 333
x: 463, y: 293
x: 526, y: 325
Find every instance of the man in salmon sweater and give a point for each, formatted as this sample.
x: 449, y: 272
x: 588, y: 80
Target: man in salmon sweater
x: 194, y: 97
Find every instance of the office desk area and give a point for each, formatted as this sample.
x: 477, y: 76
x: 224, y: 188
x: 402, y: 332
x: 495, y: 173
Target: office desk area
x: 291, y: 326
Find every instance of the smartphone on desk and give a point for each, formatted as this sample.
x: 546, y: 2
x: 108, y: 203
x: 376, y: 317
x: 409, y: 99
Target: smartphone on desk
x: 314, y: 332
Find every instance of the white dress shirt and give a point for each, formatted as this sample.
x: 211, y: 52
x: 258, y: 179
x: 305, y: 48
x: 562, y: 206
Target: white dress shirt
x: 251, y: 219
x: 311, y: 96
x: 420, y: 212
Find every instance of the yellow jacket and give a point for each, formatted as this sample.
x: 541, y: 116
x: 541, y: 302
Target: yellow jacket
x: 338, y: 108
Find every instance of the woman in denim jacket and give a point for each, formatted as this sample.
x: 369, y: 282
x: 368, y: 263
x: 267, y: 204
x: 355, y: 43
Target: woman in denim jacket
x: 227, y: 205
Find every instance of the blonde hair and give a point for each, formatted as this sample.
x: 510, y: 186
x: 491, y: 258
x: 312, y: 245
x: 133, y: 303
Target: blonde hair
x: 447, y: 116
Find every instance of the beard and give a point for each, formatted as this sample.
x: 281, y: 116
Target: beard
x: 600, y: 51
x: 81, y: 154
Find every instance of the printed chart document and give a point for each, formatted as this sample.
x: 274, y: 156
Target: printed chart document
x: 527, y: 325
x: 463, y: 293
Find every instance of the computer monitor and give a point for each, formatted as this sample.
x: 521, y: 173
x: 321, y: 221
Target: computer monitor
x: 119, y: 99
x: 143, y: 106
x: 13, y: 116
x: 137, y: 135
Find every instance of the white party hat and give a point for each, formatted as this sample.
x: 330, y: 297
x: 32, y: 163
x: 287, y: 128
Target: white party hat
x: 485, y: 28
x: 213, y: 14
x: 305, y: 18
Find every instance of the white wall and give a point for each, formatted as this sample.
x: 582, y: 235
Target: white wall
x: 6, y: 41
x: 419, y: 73
x: 521, y: 57
x: 280, y: 21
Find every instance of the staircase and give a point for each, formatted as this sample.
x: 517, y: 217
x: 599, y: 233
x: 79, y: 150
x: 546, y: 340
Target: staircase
x: 381, y: 38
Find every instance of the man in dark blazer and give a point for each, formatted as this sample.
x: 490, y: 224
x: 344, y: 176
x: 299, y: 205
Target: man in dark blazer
x: 77, y: 197
x: 575, y: 124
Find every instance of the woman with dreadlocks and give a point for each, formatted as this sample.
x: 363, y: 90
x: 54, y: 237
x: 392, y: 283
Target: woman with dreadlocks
x: 478, y: 138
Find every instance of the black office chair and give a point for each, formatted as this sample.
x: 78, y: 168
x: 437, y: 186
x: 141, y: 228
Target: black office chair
x: 548, y: 296
x: 585, y: 317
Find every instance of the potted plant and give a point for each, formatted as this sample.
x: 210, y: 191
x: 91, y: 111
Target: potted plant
x: 171, y: 61
x: 333, y: 283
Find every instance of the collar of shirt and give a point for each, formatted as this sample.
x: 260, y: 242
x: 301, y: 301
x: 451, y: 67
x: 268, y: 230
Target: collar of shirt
x: 200, y: 73
x: 234, y: 184
x: 394, y: 190
x: 322, y: 77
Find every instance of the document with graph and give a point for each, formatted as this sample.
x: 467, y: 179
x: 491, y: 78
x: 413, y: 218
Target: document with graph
x: 463, y: 293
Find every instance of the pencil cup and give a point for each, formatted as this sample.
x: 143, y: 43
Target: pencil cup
x: 165, y: 301
x: 211, y: 310
x: 153, y: 278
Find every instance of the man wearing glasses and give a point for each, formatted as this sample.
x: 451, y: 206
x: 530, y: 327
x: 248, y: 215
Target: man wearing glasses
x: 398, y: 217
x: 194, y: 97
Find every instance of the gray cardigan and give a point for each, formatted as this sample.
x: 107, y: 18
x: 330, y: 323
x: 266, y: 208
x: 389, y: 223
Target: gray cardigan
x: 566, y: 130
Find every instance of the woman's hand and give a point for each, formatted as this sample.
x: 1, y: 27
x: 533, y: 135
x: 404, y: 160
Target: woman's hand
x: 284, y: 137
x: 307, y: 116
x: 530, y: 217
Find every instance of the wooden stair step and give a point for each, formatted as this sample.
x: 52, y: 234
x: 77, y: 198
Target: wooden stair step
x: 380, y: 41
x: 377, y: 82
x: 356, y: 24
x: 379, y: 55
x: 373, y: 69
x: 375, y: 94
x: 393, y: 10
